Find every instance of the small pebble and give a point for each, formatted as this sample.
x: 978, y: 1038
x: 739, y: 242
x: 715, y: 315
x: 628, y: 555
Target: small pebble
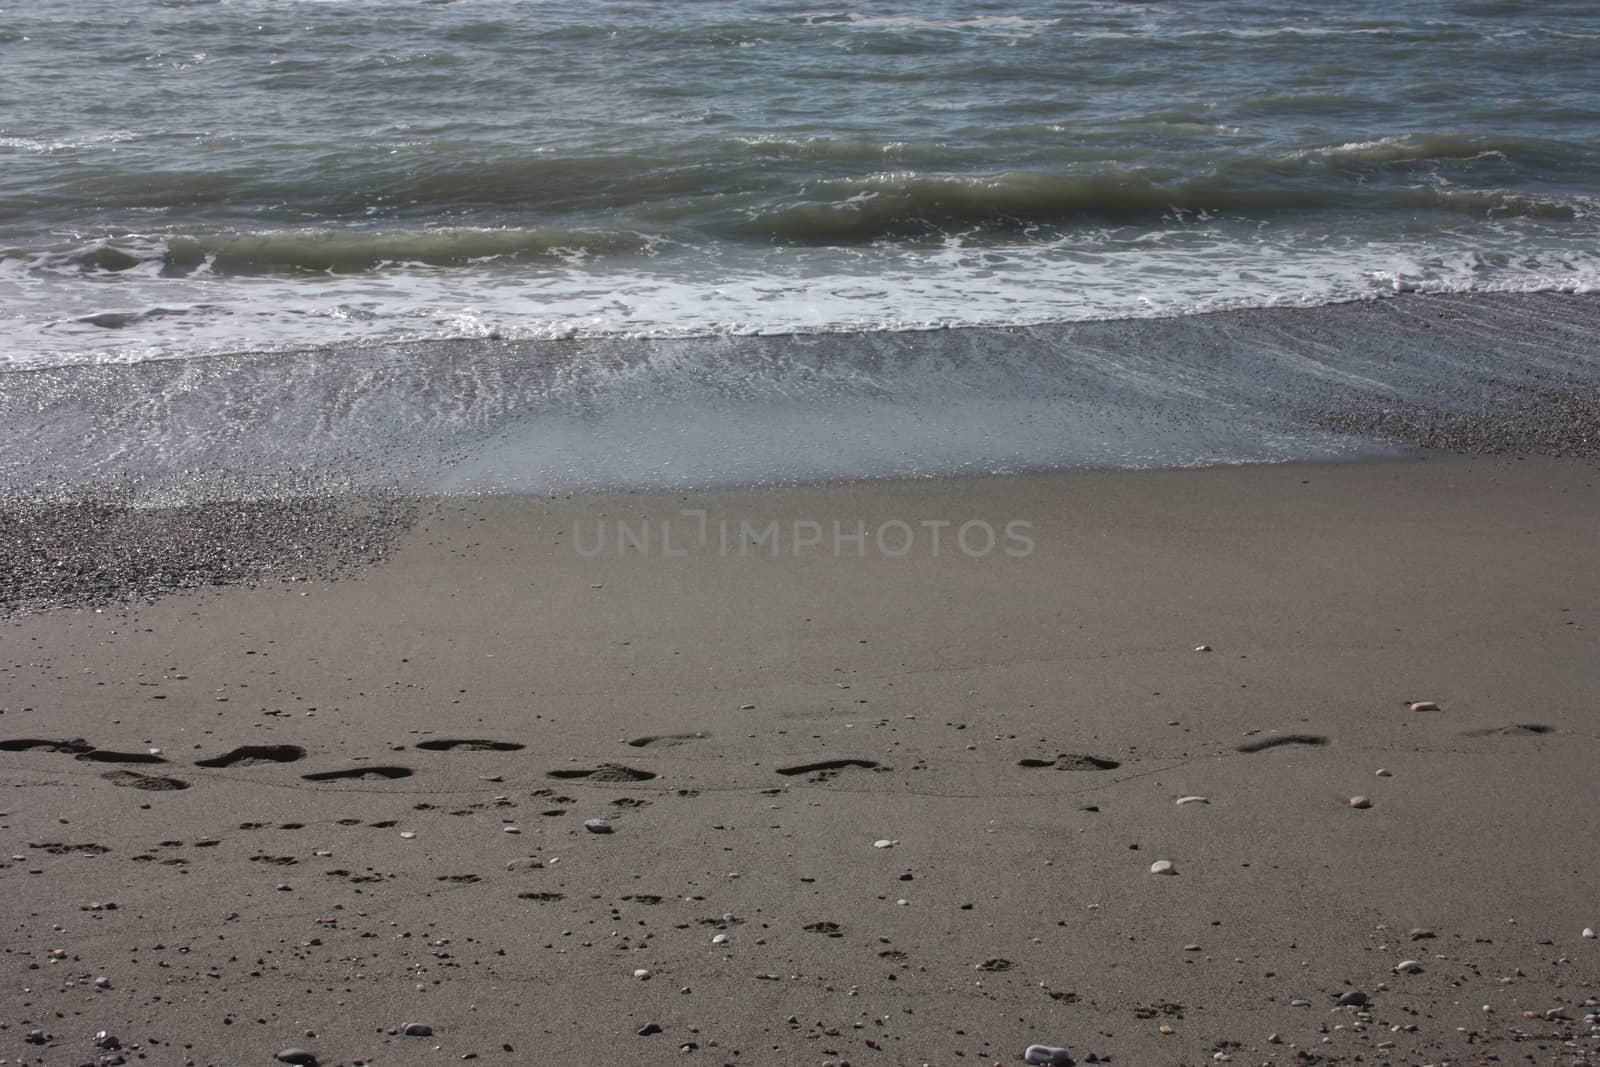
x: 884, y: 842
x: 408, y: 834
x: 1299, y: 1003
x: 1165, y: 1029
x: 1424, y: 705
x: 649, y: 1028
x: 511, y: 829
x: 1163, y: 867
x: 720, y: 939
x: 1588, y: 932
x: 597, y: 826
x: 1420, y: 933
x: 642, y: 973
x: 296, y: 1055
x: 1409, y: 966
x: 1354, y: 998
x: 1202, y: 648
x: 1047, y: 1054
x: 102, y: 982
x: 416, y: 1030
x: 1361, y: 800
x: 1193, y: 800
x: 1384, y: 772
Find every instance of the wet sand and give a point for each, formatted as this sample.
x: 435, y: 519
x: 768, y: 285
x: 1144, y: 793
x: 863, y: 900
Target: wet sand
x: 322, y: 848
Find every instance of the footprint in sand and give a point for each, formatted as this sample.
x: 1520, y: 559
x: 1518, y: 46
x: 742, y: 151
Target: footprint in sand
x: 543, y: 898
x: 106, y: 755
x: 1521, y: 729
x: 1314, y: 740
x: 667, y: 740
x: 606, y: 772
x: 57, y: 848
x: 30, y: 744
x: 135, y: 780
x: 79, y: 749
x: 828, y: 769
x: 1073, y: 761
x: 359, y: 774
x: 251, y: 755
x: 469, y: 745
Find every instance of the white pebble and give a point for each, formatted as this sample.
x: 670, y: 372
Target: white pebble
x: 511, y: 829
x: 597, y: 826
x: 1047, y: 1054
x: 642, y: 973
x: 1194, y: 800
x: 1409, y: 966
x: 1384, y: 772
x: 408, y: 834
x: 1202, y: 648
x: 1424, y: 705
x: 1163, y: 867
x: 720, y: 939
x: 884, y: 842
x: 1588, y: 933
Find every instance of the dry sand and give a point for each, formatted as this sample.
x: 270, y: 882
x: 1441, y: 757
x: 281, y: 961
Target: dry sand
x: 1020, y: 727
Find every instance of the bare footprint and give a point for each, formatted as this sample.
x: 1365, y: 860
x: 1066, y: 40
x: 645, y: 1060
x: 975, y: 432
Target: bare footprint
x: 469, y: 745
x: 667, y: 740
x: 1315, y: 740
x: 1521, y: 729
x: 250, y: 755
x: 359, y: 774
x: 826, y: 769
x: 135, y: 780
x: 32, y: 744
x: 106, y: 755
x: 606, y: 772
x: 1076, y: 761
x: 57, y: 848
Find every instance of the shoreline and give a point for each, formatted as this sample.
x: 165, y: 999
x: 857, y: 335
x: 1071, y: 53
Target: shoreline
x: 1354, y: 381
x: 493, y: 342
x: 367, y: 798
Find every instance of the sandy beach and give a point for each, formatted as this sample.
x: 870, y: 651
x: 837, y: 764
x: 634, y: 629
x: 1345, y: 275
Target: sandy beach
x: 859, y: 805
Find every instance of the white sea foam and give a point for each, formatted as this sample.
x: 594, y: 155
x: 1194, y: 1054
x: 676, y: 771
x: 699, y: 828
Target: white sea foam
x: 1113, y: 273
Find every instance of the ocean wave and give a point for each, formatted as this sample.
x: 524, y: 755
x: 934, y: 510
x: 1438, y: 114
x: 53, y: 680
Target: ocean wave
x: 1441, y: 147
x: 909, y: 205
x: 322, y: 251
